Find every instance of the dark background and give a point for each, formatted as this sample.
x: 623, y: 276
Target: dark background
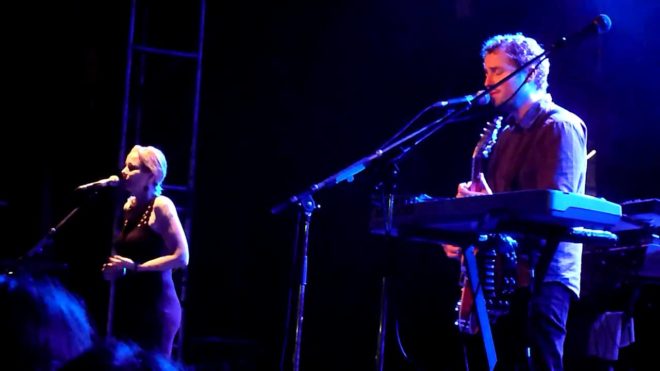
x: 292, y: 92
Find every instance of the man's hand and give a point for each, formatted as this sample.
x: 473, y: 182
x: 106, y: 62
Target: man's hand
x: 477, y: 188
x: 452, y: 251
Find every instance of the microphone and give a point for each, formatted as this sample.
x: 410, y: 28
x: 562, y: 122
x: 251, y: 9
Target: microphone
x: 469, y: 99
x: 112, y: 181
x: 599, y: 25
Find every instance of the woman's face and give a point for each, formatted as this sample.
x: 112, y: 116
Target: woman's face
x: 134, y: 175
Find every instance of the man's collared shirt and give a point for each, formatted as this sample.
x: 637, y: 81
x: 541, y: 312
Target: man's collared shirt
x: 545, y: 150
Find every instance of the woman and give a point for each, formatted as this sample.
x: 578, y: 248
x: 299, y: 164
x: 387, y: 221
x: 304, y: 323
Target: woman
x: 151, y: 244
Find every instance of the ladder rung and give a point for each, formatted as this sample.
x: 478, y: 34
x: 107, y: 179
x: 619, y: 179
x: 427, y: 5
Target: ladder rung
x: 176, y: 53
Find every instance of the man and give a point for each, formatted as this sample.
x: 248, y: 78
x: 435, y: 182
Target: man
x: 542, y: 146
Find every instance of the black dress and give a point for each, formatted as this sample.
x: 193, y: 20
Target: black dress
x: 146, y: 306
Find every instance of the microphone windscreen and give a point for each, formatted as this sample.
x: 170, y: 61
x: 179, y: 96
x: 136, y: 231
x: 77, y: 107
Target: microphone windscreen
x: 113, y: 180
x: 483, y: 100
x: 603, y: 23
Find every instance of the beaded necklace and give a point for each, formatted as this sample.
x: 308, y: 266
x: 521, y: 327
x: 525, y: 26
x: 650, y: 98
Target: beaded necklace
x: 144, y: 219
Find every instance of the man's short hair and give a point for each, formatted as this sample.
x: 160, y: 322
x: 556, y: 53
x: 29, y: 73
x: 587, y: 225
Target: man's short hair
x: 520, y: 49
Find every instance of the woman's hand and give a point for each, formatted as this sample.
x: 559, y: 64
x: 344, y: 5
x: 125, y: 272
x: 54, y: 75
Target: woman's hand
x: 116, y: 267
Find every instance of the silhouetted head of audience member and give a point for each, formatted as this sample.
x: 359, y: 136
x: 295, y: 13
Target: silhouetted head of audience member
x: 115, y: 355
x: 44, y: 325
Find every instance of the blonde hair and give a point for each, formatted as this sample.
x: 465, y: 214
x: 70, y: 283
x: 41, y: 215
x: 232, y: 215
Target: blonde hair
x: 154, y: 160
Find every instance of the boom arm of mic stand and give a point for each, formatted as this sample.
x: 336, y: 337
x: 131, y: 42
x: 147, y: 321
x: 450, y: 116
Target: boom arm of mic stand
x: 562, y: 42
x: 599, y: 25
x: 48, y: 238
x: 349, y: 173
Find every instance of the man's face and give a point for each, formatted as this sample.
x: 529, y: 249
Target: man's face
x: 497, y: 65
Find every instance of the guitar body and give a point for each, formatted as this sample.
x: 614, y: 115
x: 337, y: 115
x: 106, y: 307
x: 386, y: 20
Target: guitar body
x: 499, y: 277
x: 467, y: 321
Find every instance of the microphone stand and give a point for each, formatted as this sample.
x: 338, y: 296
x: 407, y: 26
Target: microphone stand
x: 46, y: 241
x: 387, y: 188
x: 306, y: 204
x: 39, y: 248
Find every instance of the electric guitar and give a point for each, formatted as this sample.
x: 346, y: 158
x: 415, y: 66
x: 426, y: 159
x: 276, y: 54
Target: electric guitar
x: 496, y: 253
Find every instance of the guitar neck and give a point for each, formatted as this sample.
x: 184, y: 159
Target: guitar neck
x: 476, y: 169
x: 483, y: 148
